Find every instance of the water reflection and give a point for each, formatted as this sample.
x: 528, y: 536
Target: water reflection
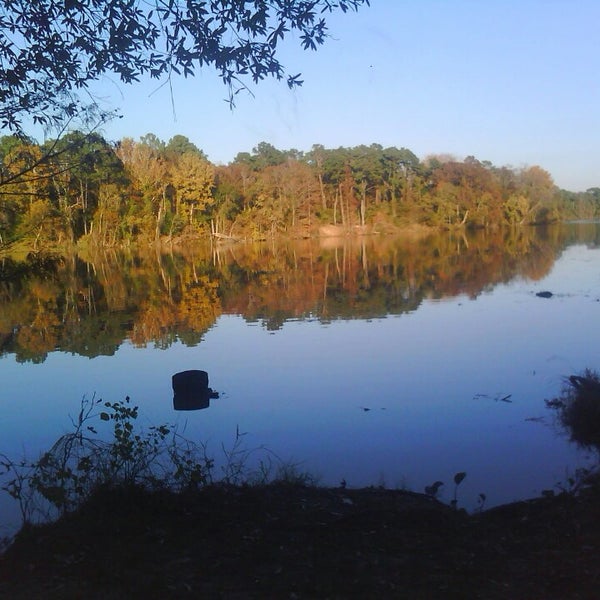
x: 90, y: 306
x: 462, y: 383
x: 191, y: 391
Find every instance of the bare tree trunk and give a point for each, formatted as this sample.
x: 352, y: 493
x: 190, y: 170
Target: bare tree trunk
x: 365, y: 264
x: 335, y: 205
x: 83, y: 199
x: 293, y: 214
x: 159, y: 218
x: 323, y: 198
x: 363, y: 202
x: 162, y: 211
x: 349, y: 218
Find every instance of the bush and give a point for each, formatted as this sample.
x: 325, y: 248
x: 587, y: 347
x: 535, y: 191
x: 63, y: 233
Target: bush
x: 578, y: 408
x: 80, y: 462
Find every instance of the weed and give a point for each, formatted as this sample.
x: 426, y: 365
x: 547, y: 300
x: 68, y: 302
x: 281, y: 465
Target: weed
x: 80, y: 462
x: 433, y: 490
x: 581, y: 478
x: 458, y: 478
x: 238, y: 457
x: 481, y: 502
x: 292, y: 474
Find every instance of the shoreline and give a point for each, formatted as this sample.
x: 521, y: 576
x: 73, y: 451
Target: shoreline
x: 285, y: 540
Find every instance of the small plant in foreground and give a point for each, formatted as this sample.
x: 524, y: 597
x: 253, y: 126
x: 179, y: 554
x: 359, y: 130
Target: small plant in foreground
x: 433, y: 490
x: 458, y: 479
x: 575, y: 482
x: 291, y: 474
x: 481, y: 502
x: 235, y: 469
x: 81, y: 462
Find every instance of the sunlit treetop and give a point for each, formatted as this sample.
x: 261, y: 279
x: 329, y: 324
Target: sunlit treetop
x: 51, y: 50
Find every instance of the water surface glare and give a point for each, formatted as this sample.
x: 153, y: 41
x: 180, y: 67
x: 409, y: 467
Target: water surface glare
x: 455, y: 384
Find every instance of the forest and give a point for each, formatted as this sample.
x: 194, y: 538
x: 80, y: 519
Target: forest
x: 82, y: 191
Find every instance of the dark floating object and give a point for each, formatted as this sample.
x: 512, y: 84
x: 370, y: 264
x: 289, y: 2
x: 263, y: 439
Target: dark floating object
x: 192, y: 391
x: 545, y: 294
x: 498, y: 398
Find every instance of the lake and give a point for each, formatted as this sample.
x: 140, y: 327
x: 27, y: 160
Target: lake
x: 377, y: 361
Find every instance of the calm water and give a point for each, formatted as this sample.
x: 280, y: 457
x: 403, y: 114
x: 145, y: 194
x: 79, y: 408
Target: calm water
x: 299, y: 339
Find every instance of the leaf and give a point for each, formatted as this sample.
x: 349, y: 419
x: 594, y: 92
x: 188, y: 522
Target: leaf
x: 459, y: 477
x: 104, y: 416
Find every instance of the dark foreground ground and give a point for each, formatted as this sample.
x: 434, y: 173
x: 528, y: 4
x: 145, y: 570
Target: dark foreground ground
x: 284, y: 541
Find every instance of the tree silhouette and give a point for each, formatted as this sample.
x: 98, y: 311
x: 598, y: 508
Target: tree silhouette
x: 51, y: 50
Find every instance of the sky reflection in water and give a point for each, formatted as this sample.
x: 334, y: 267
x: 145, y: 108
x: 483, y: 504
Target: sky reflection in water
x: 432, y: 379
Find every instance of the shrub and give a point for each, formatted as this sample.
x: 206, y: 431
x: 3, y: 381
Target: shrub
x: 578, y: 408
x: 81, y: 462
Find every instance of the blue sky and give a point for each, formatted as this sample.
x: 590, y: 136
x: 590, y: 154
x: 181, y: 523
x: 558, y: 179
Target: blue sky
x: 513, y: 82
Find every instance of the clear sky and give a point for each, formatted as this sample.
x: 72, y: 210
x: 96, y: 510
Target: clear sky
x: 516, y: 82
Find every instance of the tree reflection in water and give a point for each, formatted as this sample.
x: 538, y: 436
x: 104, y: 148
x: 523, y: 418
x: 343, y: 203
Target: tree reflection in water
x: 90, y: 305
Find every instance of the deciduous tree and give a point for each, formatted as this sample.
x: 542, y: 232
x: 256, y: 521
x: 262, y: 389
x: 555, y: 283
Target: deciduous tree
x: 193, y: 180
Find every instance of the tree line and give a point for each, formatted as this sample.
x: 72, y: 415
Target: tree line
x: 81, y: 189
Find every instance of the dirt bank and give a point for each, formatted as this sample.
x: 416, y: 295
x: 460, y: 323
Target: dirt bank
x: 285, y: 541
